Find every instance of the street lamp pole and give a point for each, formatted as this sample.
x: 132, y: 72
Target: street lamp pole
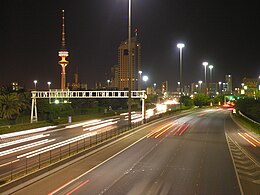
x: 205, y: 64
x: 219, y: 83
x: 129, y: 64
x: 210, y: 78
x: 200, y: 82
x: 35, y: 83
x: 49, y: 85
x: 180, y: 46
x: 140, y: 80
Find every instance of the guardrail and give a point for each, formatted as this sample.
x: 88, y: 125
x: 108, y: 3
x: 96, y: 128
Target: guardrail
x: 31, y: 162
x: 248, y: 118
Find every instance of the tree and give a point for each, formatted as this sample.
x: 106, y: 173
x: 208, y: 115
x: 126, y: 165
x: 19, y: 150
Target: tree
x: 11, y: 106
x: 187, y: 101
x: 201, y: 100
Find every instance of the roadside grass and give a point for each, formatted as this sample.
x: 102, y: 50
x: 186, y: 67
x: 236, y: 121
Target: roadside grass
x: 64, y: 120
x: 25, y: 126
x: 247, y: 123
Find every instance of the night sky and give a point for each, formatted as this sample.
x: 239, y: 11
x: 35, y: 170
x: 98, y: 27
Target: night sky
x: 226, y: 33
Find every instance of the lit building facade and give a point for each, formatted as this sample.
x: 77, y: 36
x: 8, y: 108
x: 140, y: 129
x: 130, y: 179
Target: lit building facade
x: 123, y: 61
x: 229, y: 86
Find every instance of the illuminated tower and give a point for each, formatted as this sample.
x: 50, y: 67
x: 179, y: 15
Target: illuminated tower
x: 63, y: 53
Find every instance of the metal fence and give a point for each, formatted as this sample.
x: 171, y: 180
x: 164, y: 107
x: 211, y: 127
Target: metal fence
x: 32, y: 163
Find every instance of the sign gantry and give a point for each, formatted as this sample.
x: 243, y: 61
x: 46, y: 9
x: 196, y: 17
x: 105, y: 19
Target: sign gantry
x: 57, y: 95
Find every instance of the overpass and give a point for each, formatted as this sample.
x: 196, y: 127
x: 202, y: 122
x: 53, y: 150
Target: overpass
x: 62, y: 96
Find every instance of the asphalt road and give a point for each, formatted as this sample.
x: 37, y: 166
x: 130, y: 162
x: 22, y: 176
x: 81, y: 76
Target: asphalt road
x: 187, y: 155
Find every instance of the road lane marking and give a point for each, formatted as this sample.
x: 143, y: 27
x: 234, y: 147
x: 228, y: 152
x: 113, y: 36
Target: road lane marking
x: 247, y: 140
x: 68, y: 183
x: 79, y: 186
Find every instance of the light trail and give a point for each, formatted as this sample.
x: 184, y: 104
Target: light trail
x: 23, y: 140
x: 82, y: 124
x: 154, y: 132
x: 162, y: 132
x: 8, y: 135
x: 99, y: 126
x: 24, y: 147
x: 101, y: 122
x: 178, y: 129
x: 252, y: 138
x: 184, y: 129
x: 54, y: 146
x: 247, y: 139
x: 79, y: 186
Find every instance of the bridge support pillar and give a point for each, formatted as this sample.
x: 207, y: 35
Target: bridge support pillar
x: 34, y: 117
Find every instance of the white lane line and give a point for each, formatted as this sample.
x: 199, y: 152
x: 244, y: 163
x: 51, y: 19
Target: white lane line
x: 68, y: 183
x: 8, y: 135
x: 24, y: 147
x: 23, y: 140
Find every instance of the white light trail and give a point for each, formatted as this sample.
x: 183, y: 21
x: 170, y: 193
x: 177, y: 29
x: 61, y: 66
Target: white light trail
x: 54, y: 146
x: 84, y: 123
x: 23, y: 140
x: 8, y: 135
x: 24, y: 147
x: 99, y: 126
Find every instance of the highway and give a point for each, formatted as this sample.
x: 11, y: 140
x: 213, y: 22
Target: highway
x: 180, y: 155
x: 17, y: 147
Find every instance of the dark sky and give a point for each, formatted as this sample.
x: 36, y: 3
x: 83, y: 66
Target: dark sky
x: 226, y: 33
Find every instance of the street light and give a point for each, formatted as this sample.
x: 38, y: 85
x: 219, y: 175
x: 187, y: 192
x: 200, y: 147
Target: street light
x: 129, y: 64
x: 196, y: 88
x: 179, y: 87
x: 180, y: 46
x: 210, y: 78
x: 140, y: 80
x: 35, y: 83
x: 145, y: 78
x: 219, y: 85
x: 108, y: 81
x: 200, y: 82
x: 205, y: 64
x: 49, y: 85
x: 210, y: 72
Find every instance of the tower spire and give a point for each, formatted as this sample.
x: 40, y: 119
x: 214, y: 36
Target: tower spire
x: 63, y: 53
x: 63, y: 32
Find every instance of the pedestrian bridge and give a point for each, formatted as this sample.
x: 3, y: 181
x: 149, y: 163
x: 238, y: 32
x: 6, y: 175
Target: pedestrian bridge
x: 57, y: 94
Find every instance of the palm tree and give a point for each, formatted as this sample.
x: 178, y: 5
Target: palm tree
x: 10, y: 106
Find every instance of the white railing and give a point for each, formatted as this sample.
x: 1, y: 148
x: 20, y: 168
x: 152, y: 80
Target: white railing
x: 66, y: 94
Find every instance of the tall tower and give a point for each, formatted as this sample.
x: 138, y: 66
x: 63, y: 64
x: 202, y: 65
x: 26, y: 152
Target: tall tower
x: 63, y: 53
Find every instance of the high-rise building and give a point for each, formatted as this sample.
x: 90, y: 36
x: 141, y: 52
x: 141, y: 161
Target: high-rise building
x: 228, y: 79
x: 63, y: 53
x: 250, y: 87
x: 123, y: 61
x: 165, y: 89
x: 114, y: 76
